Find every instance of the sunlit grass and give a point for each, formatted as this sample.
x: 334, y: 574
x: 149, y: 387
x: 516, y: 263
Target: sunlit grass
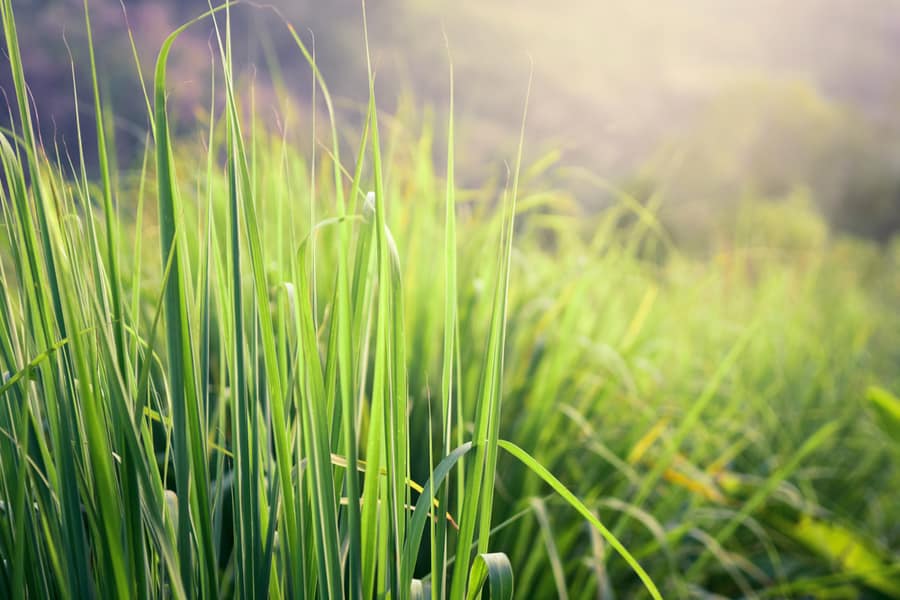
x: 277, y: 383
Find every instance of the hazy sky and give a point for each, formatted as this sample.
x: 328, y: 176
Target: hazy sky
x: 626, y: 72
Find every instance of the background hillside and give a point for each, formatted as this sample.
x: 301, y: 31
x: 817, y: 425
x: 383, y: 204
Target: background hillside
x: 704, y: 102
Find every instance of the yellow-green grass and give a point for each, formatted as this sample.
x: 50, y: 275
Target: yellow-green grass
x: 236, y: 372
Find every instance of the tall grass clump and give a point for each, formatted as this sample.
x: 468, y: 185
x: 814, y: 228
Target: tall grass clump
x: 250, y: 371
x: 238, y: 425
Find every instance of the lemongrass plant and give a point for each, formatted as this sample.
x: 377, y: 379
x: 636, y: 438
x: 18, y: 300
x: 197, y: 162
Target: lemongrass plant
x: 257, y: 371
x: 229, y: 432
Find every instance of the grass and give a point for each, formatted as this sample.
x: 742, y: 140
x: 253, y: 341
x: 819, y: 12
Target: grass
x: 276, y: 383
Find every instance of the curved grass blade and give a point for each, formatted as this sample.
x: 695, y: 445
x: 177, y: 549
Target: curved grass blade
x: 539, y: 470
x: 887, y: 409
x: 423, y: 505
x: 495, y: 568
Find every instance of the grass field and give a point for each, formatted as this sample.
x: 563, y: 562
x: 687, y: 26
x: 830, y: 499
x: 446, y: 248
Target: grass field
x: 234, y: 371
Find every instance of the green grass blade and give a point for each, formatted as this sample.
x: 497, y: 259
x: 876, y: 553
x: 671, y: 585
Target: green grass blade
x: 495, y: 568
x: 539, y: 470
